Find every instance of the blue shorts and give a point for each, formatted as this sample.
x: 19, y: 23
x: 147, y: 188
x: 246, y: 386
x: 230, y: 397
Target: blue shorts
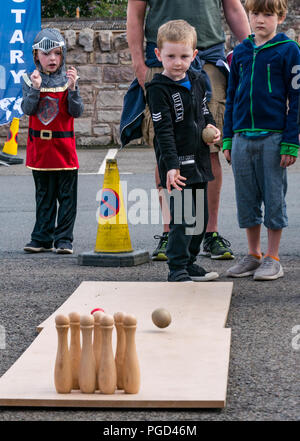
x: 259, y: 179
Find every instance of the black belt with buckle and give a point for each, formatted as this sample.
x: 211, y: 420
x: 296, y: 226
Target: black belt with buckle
x: 49, y: 134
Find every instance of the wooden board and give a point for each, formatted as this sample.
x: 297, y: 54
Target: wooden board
x: 182, y: 366
x: 205, y: 304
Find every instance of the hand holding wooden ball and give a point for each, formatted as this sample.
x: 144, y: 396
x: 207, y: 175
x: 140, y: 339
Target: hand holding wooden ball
x: 161, y: 317
x: 208, y: 135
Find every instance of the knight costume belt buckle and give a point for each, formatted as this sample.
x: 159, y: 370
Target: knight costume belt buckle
x: 46, y: 134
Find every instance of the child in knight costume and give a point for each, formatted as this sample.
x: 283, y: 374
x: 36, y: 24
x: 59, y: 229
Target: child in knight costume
x: 51, y: 99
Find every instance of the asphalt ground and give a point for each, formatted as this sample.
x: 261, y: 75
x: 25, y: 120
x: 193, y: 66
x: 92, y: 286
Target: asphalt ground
x: 263, y: 382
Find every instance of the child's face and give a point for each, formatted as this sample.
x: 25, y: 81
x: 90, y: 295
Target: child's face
x: 264, y: 25
x: 176, y: 59
x: 50, y: 61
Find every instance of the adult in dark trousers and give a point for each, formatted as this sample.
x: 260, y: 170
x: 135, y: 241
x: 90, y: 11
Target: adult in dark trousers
x: 206, y: 17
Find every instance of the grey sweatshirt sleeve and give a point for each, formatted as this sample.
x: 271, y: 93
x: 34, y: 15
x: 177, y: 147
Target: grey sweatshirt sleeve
x: 30, y: 100
x: 75, y: 103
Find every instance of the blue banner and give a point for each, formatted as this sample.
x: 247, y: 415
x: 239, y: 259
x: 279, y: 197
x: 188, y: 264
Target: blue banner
x: 20, y: 22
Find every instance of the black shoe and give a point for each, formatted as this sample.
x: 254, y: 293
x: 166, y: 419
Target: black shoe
x: 198, y: 274
x: 216, y: 247
x: 38, y: 247
x: 64, y: 248
x: 160, y: 251
x: 179, y: 276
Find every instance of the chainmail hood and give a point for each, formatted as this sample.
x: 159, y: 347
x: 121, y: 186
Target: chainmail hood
x: 46, y: 40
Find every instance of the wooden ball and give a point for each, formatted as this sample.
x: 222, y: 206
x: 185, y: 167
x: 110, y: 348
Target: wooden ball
x: 208, y: 134
x: 161, y: 317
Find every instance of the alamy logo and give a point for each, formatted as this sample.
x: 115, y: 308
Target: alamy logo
x: 178, y: 107
x: 2, y: 337
x: 296, y: 339
x: 144, y: 209
x: 296, y: 78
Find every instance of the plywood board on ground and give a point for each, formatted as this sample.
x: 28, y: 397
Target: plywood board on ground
x: 182, y: 366
x: 200, y: 304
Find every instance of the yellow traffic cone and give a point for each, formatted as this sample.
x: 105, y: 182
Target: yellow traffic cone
x: 113, y: 244
x: 10, y: 149
x: 113, y: 232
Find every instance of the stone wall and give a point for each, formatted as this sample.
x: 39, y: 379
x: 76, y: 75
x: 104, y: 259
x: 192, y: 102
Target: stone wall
x: 99, y: 50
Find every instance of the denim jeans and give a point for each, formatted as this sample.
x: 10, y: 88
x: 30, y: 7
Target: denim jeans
x: 259, y: 180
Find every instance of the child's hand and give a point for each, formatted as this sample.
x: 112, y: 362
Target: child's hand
x: 36, y: 79
x: 287, y: 160
x: 175, y: 179
x: 227, y: 154
x: 72, y: 77
x: 217, y: 135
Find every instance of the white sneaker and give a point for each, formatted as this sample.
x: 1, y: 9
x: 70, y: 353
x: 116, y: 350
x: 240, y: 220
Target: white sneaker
x: 270, y: 269
x: 246, y: 267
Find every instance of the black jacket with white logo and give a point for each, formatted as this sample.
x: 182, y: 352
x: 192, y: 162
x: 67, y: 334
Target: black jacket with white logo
x: 179, y: 115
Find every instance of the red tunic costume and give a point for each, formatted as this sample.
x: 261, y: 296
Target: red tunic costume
x: 51, y: 139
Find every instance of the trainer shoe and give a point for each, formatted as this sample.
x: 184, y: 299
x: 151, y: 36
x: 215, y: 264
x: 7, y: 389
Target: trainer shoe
x: 270, y: 269
x: 38, y: 247
x: 198, y: 274
x: 180, y: 275
x: 64, y: 248
x: 216, y: 247
x: 246, y: 267
x: 160, y: 251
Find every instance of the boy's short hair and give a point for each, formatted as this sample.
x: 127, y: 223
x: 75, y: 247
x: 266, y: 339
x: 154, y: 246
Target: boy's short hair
x: 177, y: 31
x: 278, y: 7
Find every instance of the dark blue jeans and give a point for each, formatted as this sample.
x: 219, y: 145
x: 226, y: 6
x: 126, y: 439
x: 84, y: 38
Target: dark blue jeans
x: 56, y: 196
x: 189, y: 216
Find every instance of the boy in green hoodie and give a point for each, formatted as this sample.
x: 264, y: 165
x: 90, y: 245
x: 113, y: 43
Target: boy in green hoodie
x: 261, y: 133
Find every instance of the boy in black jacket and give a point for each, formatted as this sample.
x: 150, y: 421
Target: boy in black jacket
x: 177, y: 101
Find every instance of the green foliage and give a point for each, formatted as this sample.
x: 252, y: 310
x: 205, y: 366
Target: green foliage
x: 88, y: 8
x: 109, y: 8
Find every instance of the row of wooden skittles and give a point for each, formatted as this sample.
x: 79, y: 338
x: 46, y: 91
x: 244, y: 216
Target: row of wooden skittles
x: 92, y: 366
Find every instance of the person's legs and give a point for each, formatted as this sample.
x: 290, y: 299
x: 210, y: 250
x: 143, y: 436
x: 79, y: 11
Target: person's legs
x: 67, y: 198
x: 178, y: 241
x: 162, y: 202
x: 200, y: 214
x: 214, y: 192
x: 259, y: 178
x: 249, y: 263
x: 244, y: 157
x: 267, y: 268
x: 187, y: 227
x: 159, y: 254
x: 274, y: 237
x: 214, y: 245
x: 271, y: 268
x: 46, y: 208
x: 274, y: 188
x: 253, y: 236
